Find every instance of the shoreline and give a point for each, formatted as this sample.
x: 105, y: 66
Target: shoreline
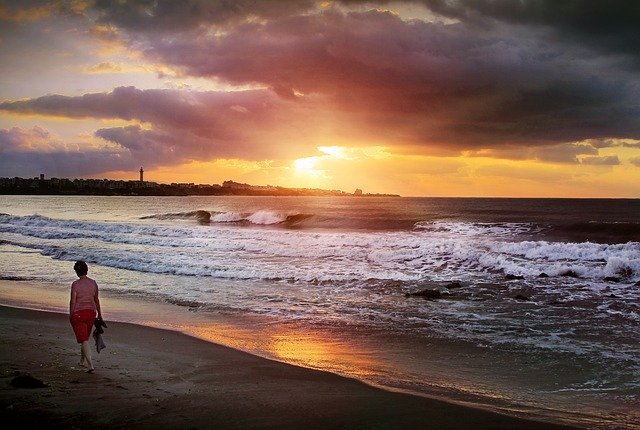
x: 316, y: 350
x: 150, y: 377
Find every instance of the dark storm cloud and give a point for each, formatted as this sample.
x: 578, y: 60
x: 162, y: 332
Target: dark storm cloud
x: 508, y: 74
x: 559, y: 111
x: 607, y: 25
x: 182, y: 15
x: 420, y: 82
x: 566, y: 153
x: 611, y: 26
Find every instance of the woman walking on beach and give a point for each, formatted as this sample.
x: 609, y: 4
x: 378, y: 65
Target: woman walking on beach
x: 82, y: 311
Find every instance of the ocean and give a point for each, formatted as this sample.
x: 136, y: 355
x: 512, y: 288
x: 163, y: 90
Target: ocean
x: 539, y: 308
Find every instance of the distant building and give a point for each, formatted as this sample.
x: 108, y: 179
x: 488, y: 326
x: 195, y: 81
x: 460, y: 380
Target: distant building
x: 141, y: 175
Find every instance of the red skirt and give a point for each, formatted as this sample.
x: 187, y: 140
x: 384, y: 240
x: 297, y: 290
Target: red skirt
x: 82, y: 321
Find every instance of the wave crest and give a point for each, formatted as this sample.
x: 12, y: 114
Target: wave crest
x: 266, y: 218
x: 261, y: 217
x: 199, y: 215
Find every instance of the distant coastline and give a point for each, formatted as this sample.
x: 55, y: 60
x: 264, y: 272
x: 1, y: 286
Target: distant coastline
x: 109, y: 187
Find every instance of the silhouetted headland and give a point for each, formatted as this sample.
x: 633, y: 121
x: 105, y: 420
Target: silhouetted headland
x: 109, y: 187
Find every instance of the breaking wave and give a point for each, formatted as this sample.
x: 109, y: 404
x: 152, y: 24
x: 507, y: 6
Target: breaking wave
x: 262, y: 217
x: 199, y: 215
x: 435, y: 250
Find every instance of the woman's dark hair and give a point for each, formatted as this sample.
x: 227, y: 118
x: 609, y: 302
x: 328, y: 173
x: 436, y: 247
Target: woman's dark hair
x: 81, y: 268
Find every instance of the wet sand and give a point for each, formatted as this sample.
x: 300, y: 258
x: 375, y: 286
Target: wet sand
x: 152, y: 378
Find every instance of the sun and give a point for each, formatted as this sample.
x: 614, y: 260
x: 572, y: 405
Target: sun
x: 334, y: 151
x: 307, y: 166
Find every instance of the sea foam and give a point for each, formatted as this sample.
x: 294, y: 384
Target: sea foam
x: 291, y: 254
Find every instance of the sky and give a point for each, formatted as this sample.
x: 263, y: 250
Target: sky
x: 506, y: 98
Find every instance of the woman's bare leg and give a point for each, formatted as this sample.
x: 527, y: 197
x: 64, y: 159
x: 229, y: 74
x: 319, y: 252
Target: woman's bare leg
x: 85, y: 351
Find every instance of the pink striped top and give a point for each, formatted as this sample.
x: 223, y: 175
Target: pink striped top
x: 85, y: 289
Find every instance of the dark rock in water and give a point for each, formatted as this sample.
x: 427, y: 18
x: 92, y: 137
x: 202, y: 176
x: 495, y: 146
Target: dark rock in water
x: 427, y: 294
x: 625, y: 272
x: 394, y: 284
x: 570, y: 274
x: 613, y: 296
x: 612, y: 279
x: 521, y: 297
x: 27, y: 381
x: 510, y: 277
x: 452, y: 285
x: 185, y: 303
x: 543, y: 275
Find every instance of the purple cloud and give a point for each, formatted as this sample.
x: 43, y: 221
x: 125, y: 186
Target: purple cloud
x: 496, y: 80
x: 188, y: 125
x: 423, y: 82
x: 183, y: 15
x: 29, y: 152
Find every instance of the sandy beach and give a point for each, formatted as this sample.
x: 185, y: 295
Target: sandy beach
x: 151, y: 378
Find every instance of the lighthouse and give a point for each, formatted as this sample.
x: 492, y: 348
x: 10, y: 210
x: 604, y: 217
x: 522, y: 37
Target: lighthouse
x: 141, y: 175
